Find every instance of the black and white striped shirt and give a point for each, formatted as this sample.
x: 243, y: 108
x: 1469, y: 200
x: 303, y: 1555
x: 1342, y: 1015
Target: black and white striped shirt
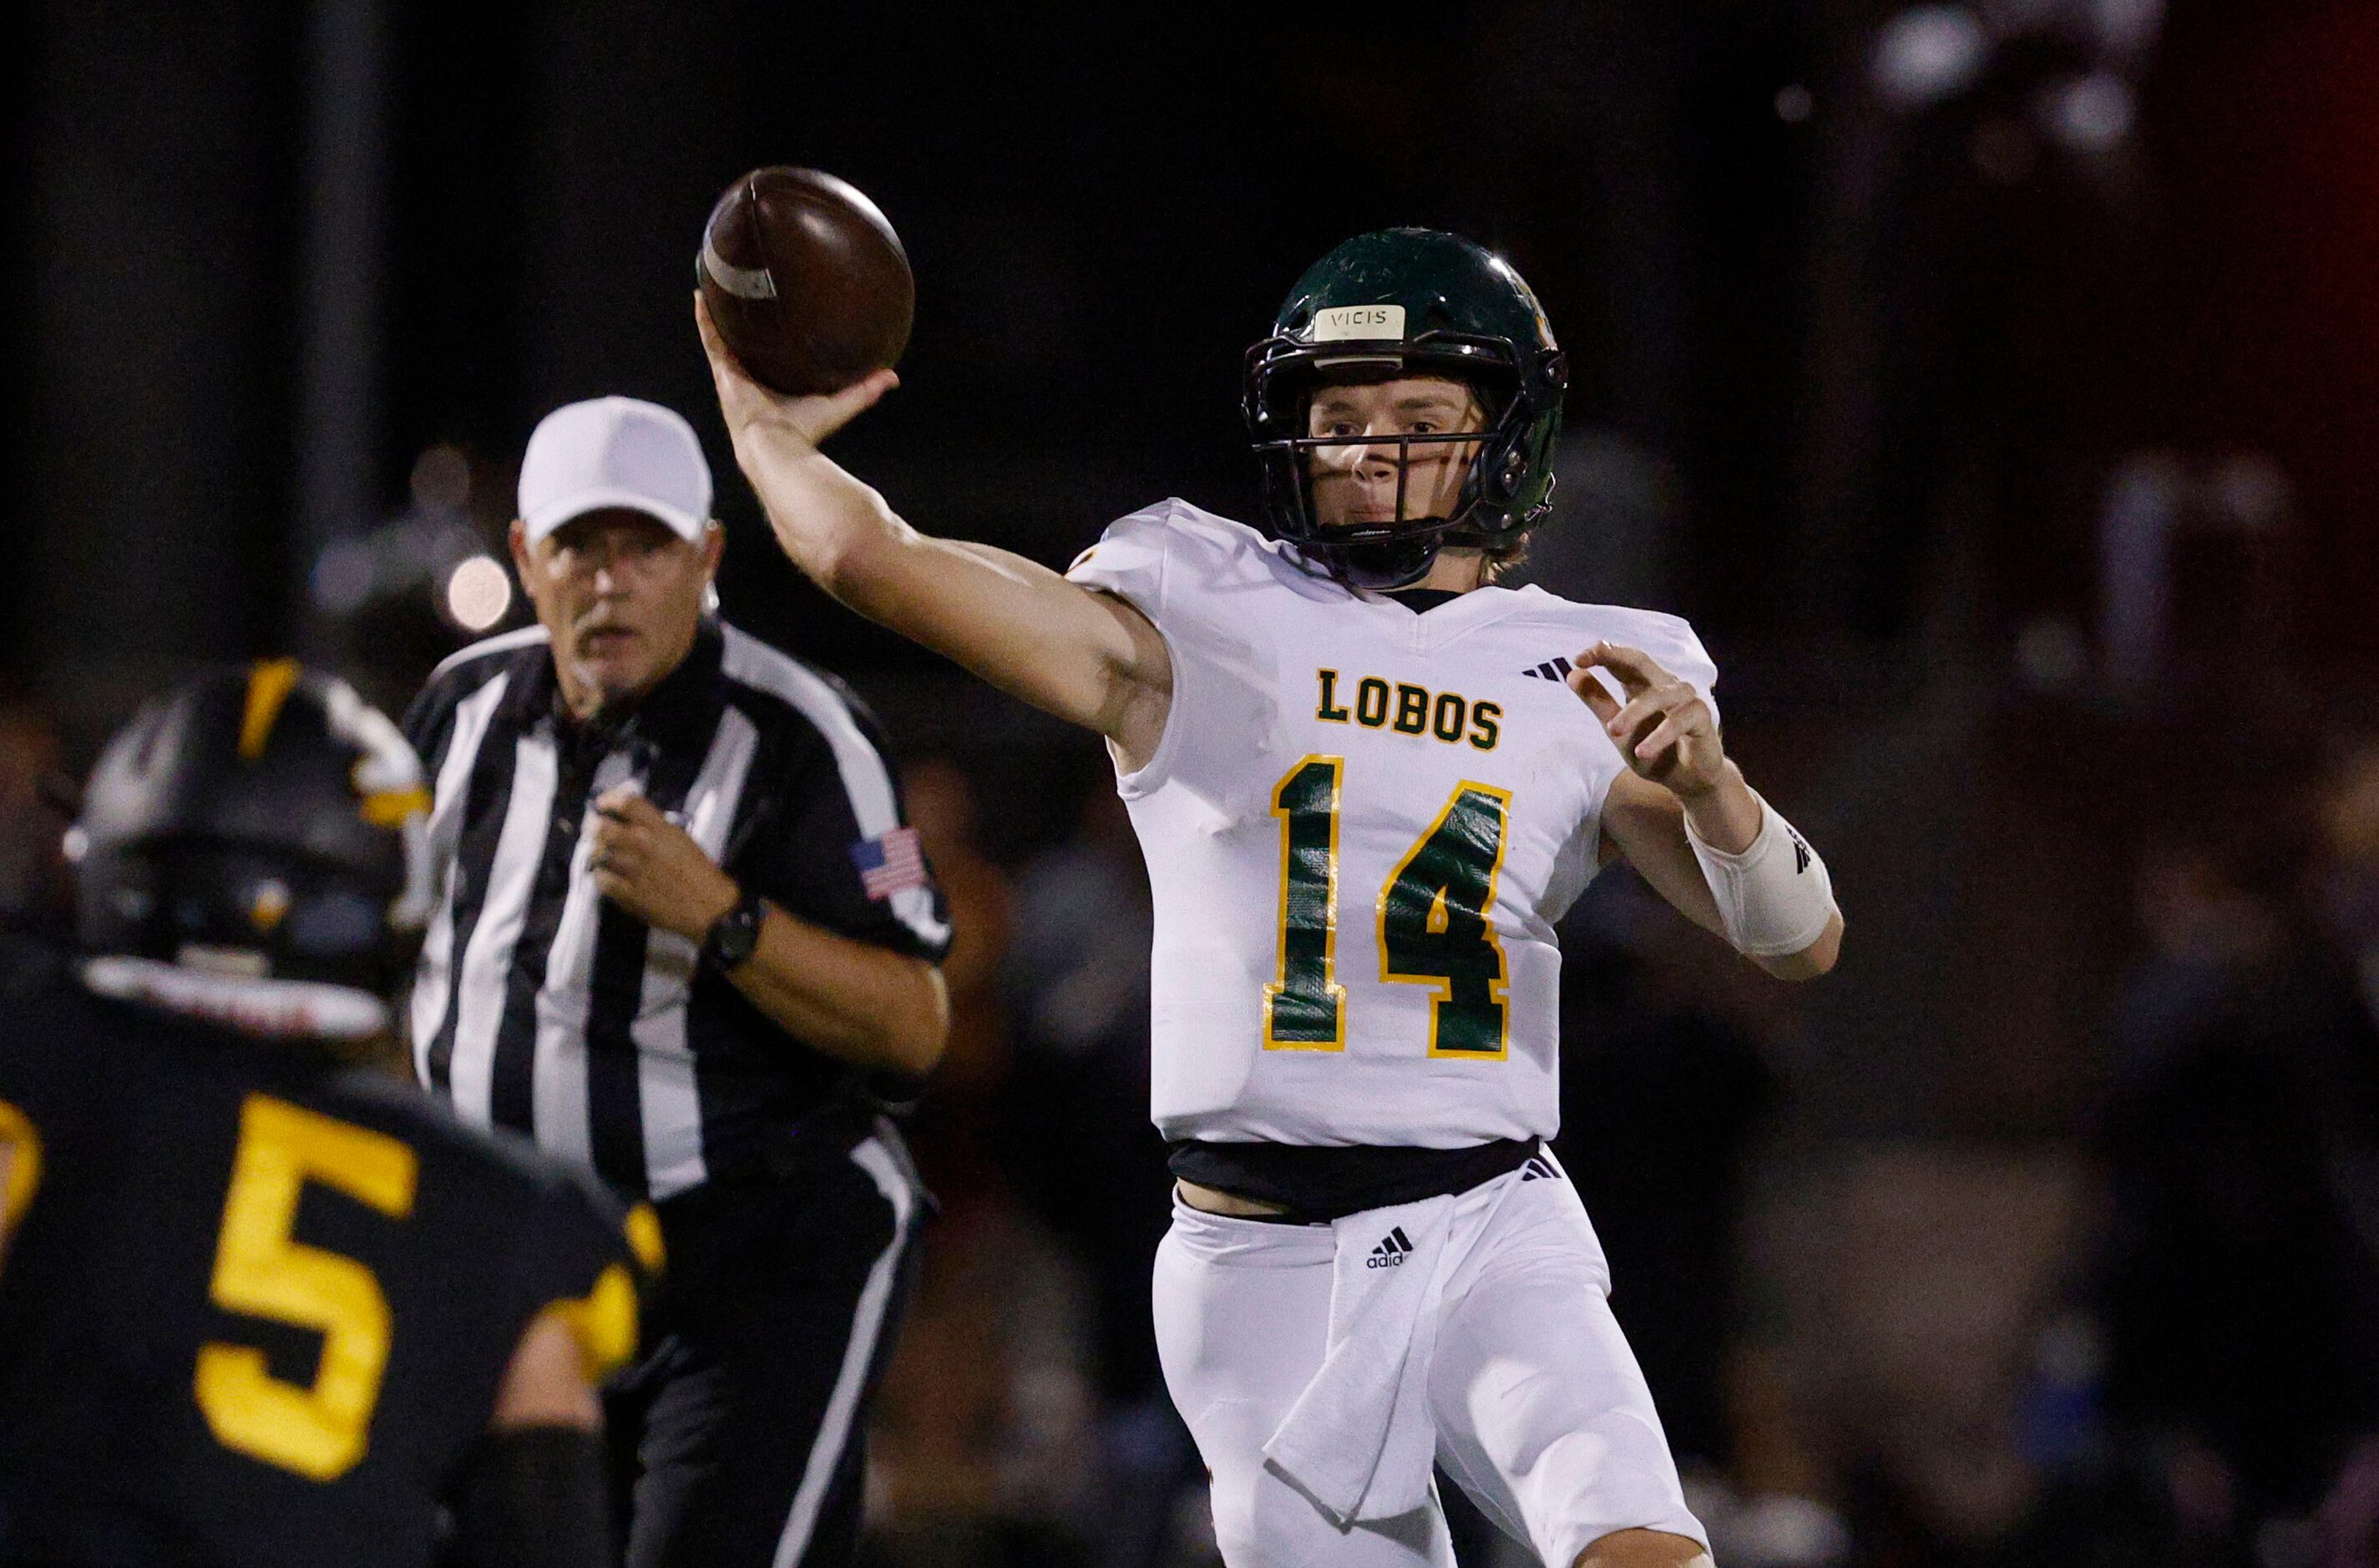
x: 539, y: 1004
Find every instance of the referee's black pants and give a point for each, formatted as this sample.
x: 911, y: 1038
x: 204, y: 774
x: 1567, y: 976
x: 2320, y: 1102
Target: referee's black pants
x: 739, y: 1438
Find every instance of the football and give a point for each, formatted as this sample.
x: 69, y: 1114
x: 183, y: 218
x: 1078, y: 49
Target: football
x: 806, y: 281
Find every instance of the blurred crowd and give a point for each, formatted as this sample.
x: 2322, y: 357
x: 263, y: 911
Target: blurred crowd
x: 2150, y: 1336
x: 2230, y: 1310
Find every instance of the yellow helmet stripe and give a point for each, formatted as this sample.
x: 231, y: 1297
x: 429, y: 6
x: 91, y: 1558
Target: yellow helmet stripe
x: 389, y: 808
x: 268, y: 685
x: 644, y: 1229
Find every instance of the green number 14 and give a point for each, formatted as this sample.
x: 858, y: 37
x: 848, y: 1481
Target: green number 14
x: 1432, y: 922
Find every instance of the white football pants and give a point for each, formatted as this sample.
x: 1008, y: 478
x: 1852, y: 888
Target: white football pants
x: 1541, y: 1413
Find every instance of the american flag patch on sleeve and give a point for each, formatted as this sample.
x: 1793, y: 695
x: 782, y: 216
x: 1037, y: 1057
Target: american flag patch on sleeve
x: 889, y: 864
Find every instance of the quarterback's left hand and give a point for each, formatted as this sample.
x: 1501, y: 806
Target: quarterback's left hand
x: 652, y: 868
x: 1666, y: 731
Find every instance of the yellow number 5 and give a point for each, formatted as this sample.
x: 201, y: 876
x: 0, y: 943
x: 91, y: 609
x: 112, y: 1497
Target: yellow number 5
x: 260, y: 1272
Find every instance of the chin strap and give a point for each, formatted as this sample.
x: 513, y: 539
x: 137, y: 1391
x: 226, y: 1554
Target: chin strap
x: 276, y: 1007
x: 1466, y: 537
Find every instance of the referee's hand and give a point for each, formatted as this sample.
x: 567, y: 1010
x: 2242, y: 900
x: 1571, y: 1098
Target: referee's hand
x: 652, y: 868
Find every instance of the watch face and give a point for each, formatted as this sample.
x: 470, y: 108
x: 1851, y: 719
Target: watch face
x: 736, y: 936
x: 735, y: 944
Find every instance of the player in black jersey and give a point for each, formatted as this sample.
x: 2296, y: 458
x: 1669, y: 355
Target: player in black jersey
x: 261, y: 1301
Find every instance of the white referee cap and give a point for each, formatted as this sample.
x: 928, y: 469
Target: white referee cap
x: 612, y: 451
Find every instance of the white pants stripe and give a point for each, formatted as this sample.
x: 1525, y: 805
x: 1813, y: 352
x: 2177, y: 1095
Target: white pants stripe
x: 858, y: 1355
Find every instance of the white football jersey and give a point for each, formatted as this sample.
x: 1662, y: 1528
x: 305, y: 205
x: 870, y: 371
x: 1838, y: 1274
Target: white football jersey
x: 1360, y: 824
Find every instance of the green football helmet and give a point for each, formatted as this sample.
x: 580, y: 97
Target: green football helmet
x: 1406, y: 302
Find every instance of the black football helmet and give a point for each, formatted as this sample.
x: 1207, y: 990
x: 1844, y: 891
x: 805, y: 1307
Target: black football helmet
x: 1410, y: 302
x: 265, y: 822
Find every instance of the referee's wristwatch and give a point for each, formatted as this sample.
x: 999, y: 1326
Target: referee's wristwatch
x: 736, y: 936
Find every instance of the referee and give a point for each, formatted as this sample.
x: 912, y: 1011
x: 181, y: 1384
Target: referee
x: 680, y: 926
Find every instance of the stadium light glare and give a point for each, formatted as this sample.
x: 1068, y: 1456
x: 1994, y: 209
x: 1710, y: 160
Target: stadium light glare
x: 478, y: 592
x: 1927, y: 53
x: 2091, y: 114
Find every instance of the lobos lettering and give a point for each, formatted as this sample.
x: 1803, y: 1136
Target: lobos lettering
x: 1408, y: 709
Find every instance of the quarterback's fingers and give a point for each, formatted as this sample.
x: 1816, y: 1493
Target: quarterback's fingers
x: 712, y: 344
x: 1644, y: 710
x: 1591, y: 692
x: 726, y: 371
x: 815, y: 419
x: 822, y: 417
x: 1668, y: 736
x: 1634, y: 667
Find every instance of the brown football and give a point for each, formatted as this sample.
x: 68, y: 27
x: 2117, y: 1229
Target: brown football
x: 805, y: 279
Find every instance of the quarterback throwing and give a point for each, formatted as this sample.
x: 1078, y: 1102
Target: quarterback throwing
x: 1367, y: 779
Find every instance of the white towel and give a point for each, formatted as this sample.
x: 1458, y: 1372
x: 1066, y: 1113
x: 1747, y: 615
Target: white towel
x: 1359, y: 1441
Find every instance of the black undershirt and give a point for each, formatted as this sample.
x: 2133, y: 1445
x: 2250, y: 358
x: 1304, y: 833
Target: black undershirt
x: 1316, y: 1183
x: 1420, y: 601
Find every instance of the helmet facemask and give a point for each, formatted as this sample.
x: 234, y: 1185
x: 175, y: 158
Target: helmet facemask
x: 1405, y: 303
x: 1382, y: 556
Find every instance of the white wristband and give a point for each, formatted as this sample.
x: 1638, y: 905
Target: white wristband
x: 1774, y: 897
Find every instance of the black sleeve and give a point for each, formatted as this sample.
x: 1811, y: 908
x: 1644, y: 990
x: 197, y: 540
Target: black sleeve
x: 49, y: 1067
x: 57, y: 1087
x: 585, y: 1254
x: 535, y: 1497
x: 429, y: 721
x: 806, y: 848
x: 532, y: 1497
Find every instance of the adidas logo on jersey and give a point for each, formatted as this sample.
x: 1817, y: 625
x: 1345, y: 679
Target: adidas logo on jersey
x: 1390, y: 1252
x: 1552, y: 670
x: 1534, y: 1169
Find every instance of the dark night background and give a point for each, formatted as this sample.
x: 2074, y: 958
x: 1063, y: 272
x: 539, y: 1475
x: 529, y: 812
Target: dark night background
x: 1996, y: 387
x: 1104, y: 205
